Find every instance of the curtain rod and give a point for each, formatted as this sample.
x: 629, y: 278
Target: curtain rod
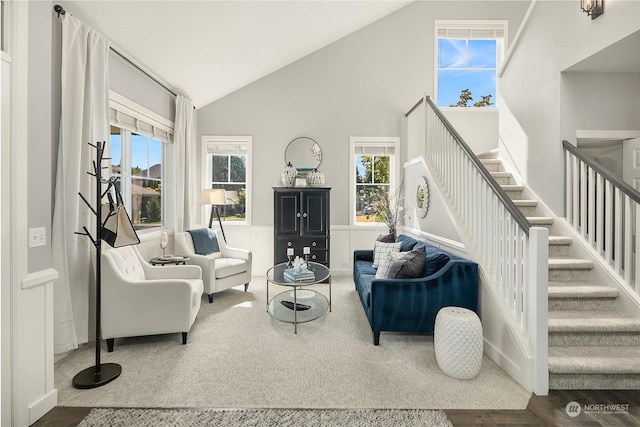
x: 60, y: 11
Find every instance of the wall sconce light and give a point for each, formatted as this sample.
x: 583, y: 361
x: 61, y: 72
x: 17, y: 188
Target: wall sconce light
x: 593, y: 8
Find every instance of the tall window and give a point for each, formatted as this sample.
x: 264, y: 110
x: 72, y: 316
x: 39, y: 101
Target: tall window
x: 138, y: 161
x: 373, y: 170
x: 228, y: 167
x: 468, y: 55
x: 138, y: 142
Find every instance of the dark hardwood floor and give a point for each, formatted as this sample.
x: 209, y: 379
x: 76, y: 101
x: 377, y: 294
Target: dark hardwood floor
x: 547, y: 411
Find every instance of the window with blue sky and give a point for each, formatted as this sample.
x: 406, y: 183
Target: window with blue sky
x: 468, y: 54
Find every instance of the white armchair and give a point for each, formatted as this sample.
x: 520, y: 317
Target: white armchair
x: 140, y: 299
x: 220, y: 270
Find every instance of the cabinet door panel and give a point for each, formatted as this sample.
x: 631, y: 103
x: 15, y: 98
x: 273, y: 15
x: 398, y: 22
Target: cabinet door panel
x: 314, y: 214
x: 287, y: 222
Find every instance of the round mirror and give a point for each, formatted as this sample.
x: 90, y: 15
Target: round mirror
x: 422, y: 196
x: 304, y: 154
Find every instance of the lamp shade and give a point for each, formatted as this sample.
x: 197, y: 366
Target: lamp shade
x: 213, y: 196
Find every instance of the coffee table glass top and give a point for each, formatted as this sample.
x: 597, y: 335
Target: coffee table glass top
x: 276, y: 274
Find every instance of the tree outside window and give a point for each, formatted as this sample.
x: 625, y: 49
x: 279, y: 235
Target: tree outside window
x: 229, y: 172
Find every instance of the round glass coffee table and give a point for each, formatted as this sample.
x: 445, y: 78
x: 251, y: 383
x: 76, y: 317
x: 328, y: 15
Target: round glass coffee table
x: 298, y: 305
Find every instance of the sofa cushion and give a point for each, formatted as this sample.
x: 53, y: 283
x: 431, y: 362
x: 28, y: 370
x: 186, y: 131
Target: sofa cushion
x: 386, y: 238
x: 434, y: 261
x: 381, y: 248
x: 406, y: 243
x: 386, y: 261
x: 364, y: 267
x: 410, y: 265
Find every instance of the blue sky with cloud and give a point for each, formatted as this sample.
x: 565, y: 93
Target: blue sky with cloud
x: 466, y: 64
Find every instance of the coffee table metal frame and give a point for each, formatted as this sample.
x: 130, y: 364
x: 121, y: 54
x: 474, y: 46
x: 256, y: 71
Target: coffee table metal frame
x: 319, y: 302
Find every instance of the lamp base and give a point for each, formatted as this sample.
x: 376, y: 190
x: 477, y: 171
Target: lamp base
x: 88, y: 378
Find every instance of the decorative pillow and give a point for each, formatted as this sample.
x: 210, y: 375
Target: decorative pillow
x: 410, y: 265
x: 386, y: 261
x: 381, y: 248
x: 386, y: 238
x: 434, y: 262
x: 406, y: 243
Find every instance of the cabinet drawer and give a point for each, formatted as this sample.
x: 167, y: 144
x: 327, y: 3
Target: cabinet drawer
x: 313, y: 243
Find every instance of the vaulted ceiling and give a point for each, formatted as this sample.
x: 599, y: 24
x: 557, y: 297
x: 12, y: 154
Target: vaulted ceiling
x: 208, y: 49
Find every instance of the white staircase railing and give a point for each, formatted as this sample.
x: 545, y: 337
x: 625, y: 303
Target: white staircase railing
x: 605, y: 211
x: 512, y: 255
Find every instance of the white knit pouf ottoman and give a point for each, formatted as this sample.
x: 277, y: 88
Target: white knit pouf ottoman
x: 457, y: 339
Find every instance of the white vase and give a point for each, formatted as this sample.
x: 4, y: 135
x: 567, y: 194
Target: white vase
x: 289, y: 175
x: 315, y: 178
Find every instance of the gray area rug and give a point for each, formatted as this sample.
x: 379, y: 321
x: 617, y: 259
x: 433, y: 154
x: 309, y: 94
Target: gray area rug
x: 238, y: 356
x: 103, y: 417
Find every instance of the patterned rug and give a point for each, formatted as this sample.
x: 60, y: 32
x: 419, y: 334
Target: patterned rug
x: 128, y: 417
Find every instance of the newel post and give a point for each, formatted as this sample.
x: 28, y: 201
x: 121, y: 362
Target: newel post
x: 537, y: 314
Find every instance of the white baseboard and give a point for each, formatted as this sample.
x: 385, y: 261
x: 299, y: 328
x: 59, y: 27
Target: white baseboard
x: 43, y: 405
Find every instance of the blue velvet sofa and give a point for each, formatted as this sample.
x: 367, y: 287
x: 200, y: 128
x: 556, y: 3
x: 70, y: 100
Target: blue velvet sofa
x: 411, y: 305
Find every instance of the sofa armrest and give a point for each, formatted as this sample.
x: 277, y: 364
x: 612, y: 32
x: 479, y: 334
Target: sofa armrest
x: 362, y: 255
x: 414, y: 303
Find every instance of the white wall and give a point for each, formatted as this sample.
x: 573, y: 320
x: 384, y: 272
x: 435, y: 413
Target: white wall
x: 540, y: 99
x: 360, y: 85
x: 477, y: 126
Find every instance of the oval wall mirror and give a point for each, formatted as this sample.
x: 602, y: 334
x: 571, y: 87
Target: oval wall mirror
x: 422, y: 196
x: 304, y: 154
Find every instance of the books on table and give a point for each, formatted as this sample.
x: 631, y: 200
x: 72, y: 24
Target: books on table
x: 292, y: 275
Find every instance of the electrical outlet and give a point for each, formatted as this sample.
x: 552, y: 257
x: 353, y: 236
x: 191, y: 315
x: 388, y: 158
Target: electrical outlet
x: 37, y: 237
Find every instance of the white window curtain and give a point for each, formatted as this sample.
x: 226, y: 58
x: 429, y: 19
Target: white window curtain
x: 84, y: 118
x: 187, y: 181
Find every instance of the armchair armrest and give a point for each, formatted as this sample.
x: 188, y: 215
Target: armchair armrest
x: 230, y: 252
x: 172, y: 272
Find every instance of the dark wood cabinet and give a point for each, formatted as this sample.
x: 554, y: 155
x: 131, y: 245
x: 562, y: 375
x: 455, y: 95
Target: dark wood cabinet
x: 301, y: 219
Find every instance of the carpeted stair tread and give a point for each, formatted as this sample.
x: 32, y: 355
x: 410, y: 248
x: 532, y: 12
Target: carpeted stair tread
x: 525, y: 202
x: 594, y: 360
x: 570, y: 263
x: 592, y: 321
x: 512, y: 187
x: 581, y: 291
x: 491, y: 154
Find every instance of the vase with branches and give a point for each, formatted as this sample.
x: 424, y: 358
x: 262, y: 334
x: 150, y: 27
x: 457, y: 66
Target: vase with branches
x: 389, y: 206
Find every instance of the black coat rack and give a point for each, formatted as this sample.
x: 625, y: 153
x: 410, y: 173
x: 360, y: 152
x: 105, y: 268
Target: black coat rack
x: 101, y: 373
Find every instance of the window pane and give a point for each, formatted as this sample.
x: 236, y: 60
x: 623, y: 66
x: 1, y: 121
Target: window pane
x: 482, y: 54
x: 220, y: 169
x: 116, y: 150
x: 452, y: 83
x: 238, y: 169
x: 235, y: 209
x: 381, y: 169
x: 139, y: 155
x: 146, y: 203
x: 452, y: 53
x: 364, y: 169
x: 366, y: 196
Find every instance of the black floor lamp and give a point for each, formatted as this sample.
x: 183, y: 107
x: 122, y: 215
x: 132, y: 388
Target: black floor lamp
x: 214, y: 197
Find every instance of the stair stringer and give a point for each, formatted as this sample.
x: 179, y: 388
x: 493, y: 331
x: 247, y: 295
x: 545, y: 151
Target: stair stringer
x: 628, y: 301
x: 504, y: 344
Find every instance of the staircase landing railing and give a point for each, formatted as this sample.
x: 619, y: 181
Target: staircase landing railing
x: 605, y: 211
x: 511, y: 254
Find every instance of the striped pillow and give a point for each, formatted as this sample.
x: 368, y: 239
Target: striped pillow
x: 386, y: 261
x: 381, y: 248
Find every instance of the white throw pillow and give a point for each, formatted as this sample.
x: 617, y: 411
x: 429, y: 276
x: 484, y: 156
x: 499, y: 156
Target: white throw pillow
x: 381, y: 248
x: 386, y: 261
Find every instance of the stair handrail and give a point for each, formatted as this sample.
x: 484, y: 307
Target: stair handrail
x: 617, y: 182
x: 522, y: 221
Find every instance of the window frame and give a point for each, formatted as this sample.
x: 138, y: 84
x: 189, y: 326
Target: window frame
x: 471, y: 25
x: 390, y: 142
x: 206, y: 167
x: 131, y: 117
